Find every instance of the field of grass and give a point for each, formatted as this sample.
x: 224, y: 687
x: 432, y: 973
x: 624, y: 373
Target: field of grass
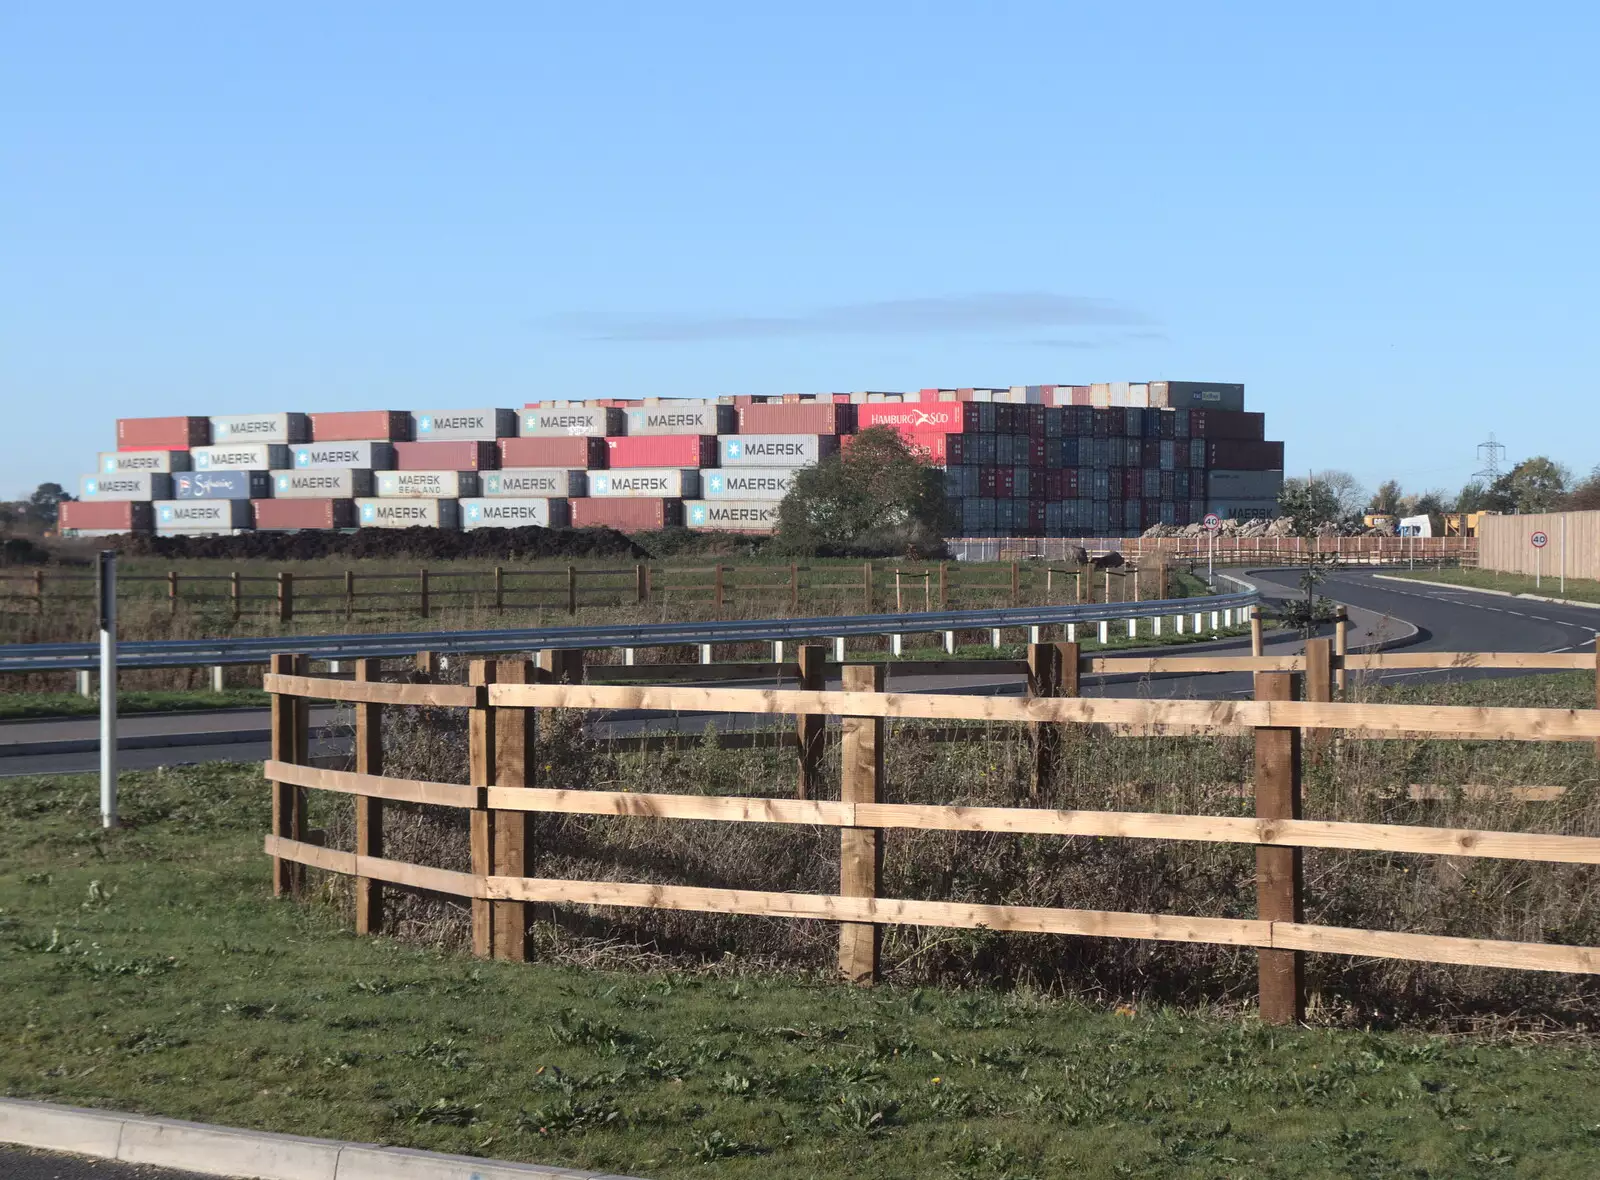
x: 149, y: 970
x: 19, y: 706
x: 1577, y: 589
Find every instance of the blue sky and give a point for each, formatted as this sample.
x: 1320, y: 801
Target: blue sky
x: 1380, y: 217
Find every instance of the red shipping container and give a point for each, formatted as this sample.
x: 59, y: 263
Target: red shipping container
x: 936, y: 447
x: 1005, y: 483
x: 126, y: 516
x: 986, y: 481
x: 1150, y: 452
x: 571, y: 452
x: 361, y: 426
x: 797, y: 418
x: 1239, y: 424
x: 446, y: 456
x: 625, y: 513
x: 161, y: 434
x: 1197, y: 422
x: 1036, y: 518
x: 281, y: 515
x: 947, y: 417
x: 662, y: 450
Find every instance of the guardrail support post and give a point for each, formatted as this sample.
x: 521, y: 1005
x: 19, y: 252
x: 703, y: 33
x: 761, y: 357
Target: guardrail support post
x: 896, y: 644
x: 1216, y: 620
x: 838, y: 650
x: 85, y: 680
x: 219, y: 678
x: 628, y: 657
x: 1133, y: 628
x: 777, y: 652
x: 950, y: 642
x: 1341, y: 646
x: 1035, y: 634
x: 285, y: 597
x: 1279, y: 889
x: 860, y: 849
x: 288, y: 802
x: 480, y: 754
x: 994, y: 638
x: 1072, y: 633
x: 1105, y: 630
x: 1044, y: 678
x: 809, y: 727
x: 511, y: 832
x: 705, y: 653
x: 1199, y: 624
x: 369, y: 811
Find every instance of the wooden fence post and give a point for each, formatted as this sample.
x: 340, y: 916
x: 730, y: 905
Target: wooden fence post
x: 860, y: 849
x: 236, y: 593
x: 369, y: 811
x: 944, y: 585
x: 349, y: 593
x: 1597, y: 685
x: 1255, y: 633
x: 1016, y: 584
x: 38, y: 590
x: 561, y: 665
x: 866, y: 588
x: 641, y: 583
x: 480, y: 754
x: 499, y: 590
x: 1278, y: 869
x: 1044, y: 678
x: 572, y: 589
x: 511, y: 832
x: 1319, y: 687
x: 716, y: 586
x: 288, y: 815
x: 285, y: 597
x: 794, y: 588
x: 427, y: 667
x: 172, y: 591
x: 809, y: 727
x: 422, y: 593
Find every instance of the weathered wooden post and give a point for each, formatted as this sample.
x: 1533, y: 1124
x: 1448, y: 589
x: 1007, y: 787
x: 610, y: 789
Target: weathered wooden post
x: 288, y: 801
x: 572, y: 589
x: 1279, y: 886
x: 1319, y: 687
x: 810, y: 727
x: 860, y: 849
x: 1341, y: 646
x: 285, y: 597
x: 511, y: 832
x: 369, y: 811
x: 1044, y: 678
x: 481, y: 762
x: 422, y: 593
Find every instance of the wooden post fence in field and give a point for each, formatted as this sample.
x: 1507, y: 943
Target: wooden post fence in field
x: 794, y: 588
x: 810, y: 727
x: 481, y: 758
x: 499, y: 589
x: 1044, y: 680
x: 349, y: 593
x: 1279, y: 887
x: 422, y: 593
x: 572, y: 590
x: 285, y: 597
x: 1318, y: 687
x: 641, y: 584
x: 426, y: 667
x: 172, y: 591
x: 1341, y: 646
x: 369, y: 811
x: 860, y: 849
x: 716, y: 586
x: 236, y: 594
x: 511, y: 832
x: 288, y: 745
x: 866, y: 587
x: 1016, y: 584
x: 944, y: 585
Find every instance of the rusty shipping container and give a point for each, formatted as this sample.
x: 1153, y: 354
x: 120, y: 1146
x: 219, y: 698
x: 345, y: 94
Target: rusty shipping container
x: 361, y: 426
x: 625, y: 514
x: 446, y: 456
x: 103, y: 517
x: 573, y: 452
x: 662, y: 450
x: 797, y: 418
x: 295, y: 514
x: 162, y: 434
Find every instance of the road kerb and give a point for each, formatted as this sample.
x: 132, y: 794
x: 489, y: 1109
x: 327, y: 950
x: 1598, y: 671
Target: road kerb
x: 247, y: 1155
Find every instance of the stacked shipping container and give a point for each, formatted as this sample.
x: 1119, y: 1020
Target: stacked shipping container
x: 1109, y: 459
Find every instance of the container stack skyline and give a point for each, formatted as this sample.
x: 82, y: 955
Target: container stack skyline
x: 1091, y: 460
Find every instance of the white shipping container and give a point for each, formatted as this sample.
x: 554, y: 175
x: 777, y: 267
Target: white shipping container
x: 381, y: 513
x: 202, y: 516
x: 742, y: 516
x: 260, y: 428
x: 565, y: 421
x: 241, y: 457
x: 362, y: 456
x: 462, y: 425
x: 161, y: 462
x: 665, y: 483
x: 775, y: 450
x: 322, y: 483
x: 673, y: 418
x: 426, y: 485
x: 129, y: 485
x: 537, y: 482
x: 514, y: 512
x: 749, y: 483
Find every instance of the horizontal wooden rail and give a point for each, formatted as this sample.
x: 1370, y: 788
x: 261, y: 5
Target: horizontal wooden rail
x: 1377, y: 661
x: 1297, y: 833
x: 448, y: 696
x: 1243, y: 932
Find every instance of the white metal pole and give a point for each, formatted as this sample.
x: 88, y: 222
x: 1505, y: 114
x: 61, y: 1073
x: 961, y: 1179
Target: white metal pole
x: 1563, y: 553
x: 1211, y: 545
x: 108, y: 688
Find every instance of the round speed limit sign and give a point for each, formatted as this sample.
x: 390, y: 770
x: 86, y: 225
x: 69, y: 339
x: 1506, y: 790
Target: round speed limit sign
x: 1213, y: 522
x: 1540, y: 540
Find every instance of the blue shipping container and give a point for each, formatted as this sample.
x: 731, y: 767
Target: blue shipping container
x: 221, y: 485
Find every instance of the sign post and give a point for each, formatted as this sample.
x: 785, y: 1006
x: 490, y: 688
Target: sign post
x: 1540, y: 539
x: 1212, y: 523
x: 107, y: 587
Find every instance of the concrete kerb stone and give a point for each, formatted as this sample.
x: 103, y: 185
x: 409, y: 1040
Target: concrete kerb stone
x: 1486, y: 590
x: 247, y: 1155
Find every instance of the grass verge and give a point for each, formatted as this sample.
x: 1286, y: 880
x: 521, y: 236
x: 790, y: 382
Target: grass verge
x: 149, y: 969
x: 18, y: 706
x: 1577, y: 589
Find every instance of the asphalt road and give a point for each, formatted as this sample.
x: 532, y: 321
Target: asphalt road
x: 21, y: 1164
x: 1422, y: 618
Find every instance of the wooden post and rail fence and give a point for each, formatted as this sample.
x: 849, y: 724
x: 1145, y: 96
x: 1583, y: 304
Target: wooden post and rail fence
x: 1291, y: 699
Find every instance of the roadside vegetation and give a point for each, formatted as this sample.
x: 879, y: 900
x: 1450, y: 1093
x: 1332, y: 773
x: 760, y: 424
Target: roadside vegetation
x: 1577, y: 589
x: 20, y: 706
x: 149, y: 969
